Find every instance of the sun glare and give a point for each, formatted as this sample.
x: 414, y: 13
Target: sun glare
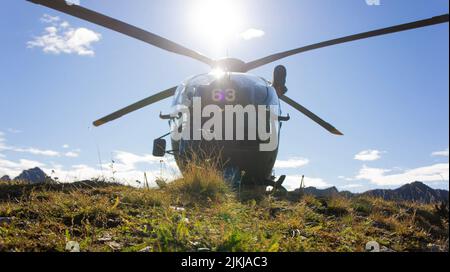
x: 219, y: 21
x: 217, y: 73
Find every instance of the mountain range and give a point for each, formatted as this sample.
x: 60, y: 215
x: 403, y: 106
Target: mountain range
x: 414, y: 192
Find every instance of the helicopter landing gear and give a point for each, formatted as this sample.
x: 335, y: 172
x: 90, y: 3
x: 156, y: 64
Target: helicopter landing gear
x: 278, y: 189
x: 279, y: 182
x: 276, y: 184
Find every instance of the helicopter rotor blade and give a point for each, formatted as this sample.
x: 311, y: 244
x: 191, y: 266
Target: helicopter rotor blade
x: 122, y: 27
x: 136, y: 106
x: 311, y: 115
x: 384, y: 31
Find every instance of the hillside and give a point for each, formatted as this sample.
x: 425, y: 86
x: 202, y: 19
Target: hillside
x: 412, y: 192
x: 200, y: 213
x: 416, y: 191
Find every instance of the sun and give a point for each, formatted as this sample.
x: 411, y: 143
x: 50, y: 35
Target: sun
x: 218, y: 21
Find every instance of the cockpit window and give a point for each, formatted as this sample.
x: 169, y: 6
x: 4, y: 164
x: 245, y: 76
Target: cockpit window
x: 205, y: 79
x: 229, y: 88
x: 178, y: 95
x: 272, y: 97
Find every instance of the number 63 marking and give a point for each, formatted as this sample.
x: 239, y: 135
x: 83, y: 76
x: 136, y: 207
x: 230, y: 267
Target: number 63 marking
x: 229, y: 95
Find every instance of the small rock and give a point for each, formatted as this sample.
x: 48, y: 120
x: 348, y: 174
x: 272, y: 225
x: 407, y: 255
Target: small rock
x: 5, y: 220
x: 146, y: 249
x: 178, y: 209
x: 433, y: 248
x: 107, y: 237
x: 72, y: 246
x: 114, y: 245
x: 295, y: 233
x: 194, y: 243
x: 386, y: 249
x: 203, y: 249
x: 372, y: 246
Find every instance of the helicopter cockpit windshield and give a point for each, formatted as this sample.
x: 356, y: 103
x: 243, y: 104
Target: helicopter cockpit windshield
x: 226, y: 89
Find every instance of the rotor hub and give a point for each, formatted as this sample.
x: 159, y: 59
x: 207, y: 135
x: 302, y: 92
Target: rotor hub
x: 230, y: 65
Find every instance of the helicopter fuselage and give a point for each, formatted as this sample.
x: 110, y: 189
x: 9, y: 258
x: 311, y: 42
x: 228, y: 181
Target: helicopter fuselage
x: 242, y: 158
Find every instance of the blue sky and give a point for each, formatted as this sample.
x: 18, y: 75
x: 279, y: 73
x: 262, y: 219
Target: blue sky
x: 389, y: 95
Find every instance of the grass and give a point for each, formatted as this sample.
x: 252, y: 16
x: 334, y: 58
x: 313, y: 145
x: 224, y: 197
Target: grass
x: 201, y: 213
x: 201, y: 183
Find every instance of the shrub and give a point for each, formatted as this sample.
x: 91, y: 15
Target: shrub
x: 202, y: 182
x: 362, y: 206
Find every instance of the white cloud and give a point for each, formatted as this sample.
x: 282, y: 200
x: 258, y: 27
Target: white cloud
x: 48, y: 19
x: 30, y: 150
x: 346, y: 178
x: 291, y: 163
x: 2, y: 141
x: 64, y: 24
x: 129, y: 167
x: 13, y: 130
x: 443, y: 153
x: 128, y: 161
x: 125, y: 169
x: 351, y: 186
x: 433, y: 173
x: 71, y: 154
x: 35, y: 151
x: 368, y: 155
x: 252, y: 33
x: 62, y: 38
x: 13, y: 169
x: 65, y: 146
x: 85, y: 172
x: 293, y: 182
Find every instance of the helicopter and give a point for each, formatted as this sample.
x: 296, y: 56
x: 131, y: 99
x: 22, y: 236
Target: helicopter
x: 229, y: 83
